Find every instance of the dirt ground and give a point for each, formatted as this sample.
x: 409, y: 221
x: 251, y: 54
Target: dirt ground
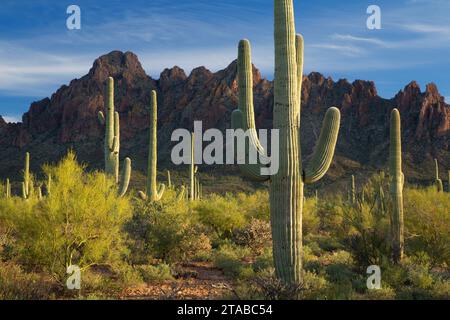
x: 198, y: 280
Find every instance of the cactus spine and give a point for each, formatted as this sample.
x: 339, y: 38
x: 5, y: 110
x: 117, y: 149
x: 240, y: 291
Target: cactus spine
x: 397, y: 180
x: 152, y: 192
x: 286, y: 187
x: 112, y: 142
x: 438, y: 182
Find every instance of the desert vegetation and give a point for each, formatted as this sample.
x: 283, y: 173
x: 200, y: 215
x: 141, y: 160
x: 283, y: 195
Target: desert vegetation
x: 287, y: 241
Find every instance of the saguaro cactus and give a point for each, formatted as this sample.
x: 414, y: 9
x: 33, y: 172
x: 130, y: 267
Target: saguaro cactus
x: 397, y: 180
x: 193, y: 169
x: 353, y: 191
x: 112, y: 142
x: 286, y: 185
x: 27, y: 185
x: 438, y: 181
x: 169, y: 180
x: 8, y: 189
x: 152, y: 192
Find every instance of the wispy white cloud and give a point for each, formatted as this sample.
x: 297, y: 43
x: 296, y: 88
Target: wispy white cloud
x: 12, y: 119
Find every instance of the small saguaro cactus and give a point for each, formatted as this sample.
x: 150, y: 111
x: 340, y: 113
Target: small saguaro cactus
x: 169, y: 180
x: 438, y: 181
x: 49, y: 184
x: 353, y: 191
x: 152, y: 192
x: 397, y: 180
x: 286, y: 185
x: 8, y: 189
x: 27, y: 184
x: 112, y: 142
x: 193, y: 169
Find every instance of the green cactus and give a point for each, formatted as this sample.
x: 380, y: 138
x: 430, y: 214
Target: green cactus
x: 27, y: 183
x: 8, y: 189
x: 193, y: 171
x: 49, y: 184
x: 397, y: 181
x: 112, y: 142
x: 39, y: 192
x: 169, y: 180
x: 152, y: 192
x: 438, y: 181
x: 353, y: 191
x: 286, y: 186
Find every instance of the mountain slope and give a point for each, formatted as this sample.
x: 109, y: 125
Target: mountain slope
x: 68, y: 119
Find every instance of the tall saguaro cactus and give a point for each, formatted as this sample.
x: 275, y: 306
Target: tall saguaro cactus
x: 438, y: 181
x: 152, y: 192
x: 397, y: 180
x: 112, y: 142
x: 286, y: 185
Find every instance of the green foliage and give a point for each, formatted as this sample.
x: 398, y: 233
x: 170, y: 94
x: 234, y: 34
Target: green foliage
x: 230, y: 258
x: 166, y: 230
x: 427, y: 221
x: 221, y: 214
x: 78, y: 224
x: 158, y: 272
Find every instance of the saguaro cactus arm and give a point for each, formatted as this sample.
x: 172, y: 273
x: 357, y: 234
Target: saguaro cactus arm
x: 244, y: 117
x: 324, y: 151
x: 125, y: 179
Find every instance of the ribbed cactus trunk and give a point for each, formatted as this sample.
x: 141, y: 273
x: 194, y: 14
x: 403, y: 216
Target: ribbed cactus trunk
x: 152, y: 192
x: 112, y: 142
x: 397, y: 180
x: 286, y: 185
x: 286, y: 188
x: 438, y: 181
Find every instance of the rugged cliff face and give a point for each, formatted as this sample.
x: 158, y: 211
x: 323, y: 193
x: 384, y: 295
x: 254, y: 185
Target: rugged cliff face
x: 68, y: 119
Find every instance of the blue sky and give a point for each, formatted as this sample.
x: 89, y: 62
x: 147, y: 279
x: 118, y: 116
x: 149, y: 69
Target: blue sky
x: 38, y: 54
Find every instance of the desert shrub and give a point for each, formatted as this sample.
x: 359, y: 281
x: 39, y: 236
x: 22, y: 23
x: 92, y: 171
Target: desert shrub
x: 79, y: 223
x: 427, y: 224
x: 254, y: 205
x: 158, y: 272
x: 367, y: 235
x: 221, y: 214
x: 257, y: 235
x: 264, y: 260
x: 15, y: 284
x: 230, y: 258
x: 310, y: 219
x: 166, y: 230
